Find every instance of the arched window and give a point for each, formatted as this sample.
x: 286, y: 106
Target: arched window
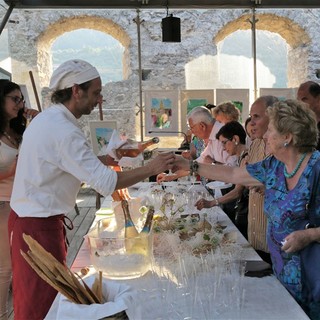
x: 236, y: 64
x: 100, y: 49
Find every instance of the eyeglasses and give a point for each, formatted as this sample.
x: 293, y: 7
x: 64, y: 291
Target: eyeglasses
x: 16, y: 99
x: 225, y: 141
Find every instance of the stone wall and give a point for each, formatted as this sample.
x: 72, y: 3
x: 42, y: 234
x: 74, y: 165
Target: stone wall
x: 191, y: 64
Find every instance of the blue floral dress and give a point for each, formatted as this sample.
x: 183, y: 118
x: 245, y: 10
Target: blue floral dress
x: 286, y: 212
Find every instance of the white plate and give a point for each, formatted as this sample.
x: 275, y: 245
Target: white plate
x: 218, y: 185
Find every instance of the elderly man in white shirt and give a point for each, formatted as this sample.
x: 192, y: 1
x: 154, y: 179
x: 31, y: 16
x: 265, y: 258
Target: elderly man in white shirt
x: 54, y: 159
x: 205, y: 127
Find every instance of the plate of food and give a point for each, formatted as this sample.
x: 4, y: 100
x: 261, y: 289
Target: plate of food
x: 218, y: 185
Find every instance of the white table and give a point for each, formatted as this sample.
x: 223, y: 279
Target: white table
x: 207, y: 290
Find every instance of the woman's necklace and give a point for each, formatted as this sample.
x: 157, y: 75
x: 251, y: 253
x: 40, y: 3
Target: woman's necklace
x: 15, y: 142
x: 295, y: 170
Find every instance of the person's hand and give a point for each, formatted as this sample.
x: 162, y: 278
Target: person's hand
x: 30, y: 113
x: 162, y: 162
x: 203, y: 203
x: 258, y: 189
x: 180, y: 163
x: 108, y: 160
x: 208, y: 159
x: 161, y: 177
x: 297, y: 240
x: 186, y: 154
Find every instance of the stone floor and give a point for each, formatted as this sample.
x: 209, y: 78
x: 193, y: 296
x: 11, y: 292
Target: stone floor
x: 82, y: 220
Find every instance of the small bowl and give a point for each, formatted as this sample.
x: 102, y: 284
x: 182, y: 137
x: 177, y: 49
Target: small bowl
x: 119, y: 257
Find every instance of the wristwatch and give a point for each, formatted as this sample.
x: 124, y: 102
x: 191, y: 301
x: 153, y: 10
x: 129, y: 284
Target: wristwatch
x: 310, y: 225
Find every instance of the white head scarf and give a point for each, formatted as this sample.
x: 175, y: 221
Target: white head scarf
x: 72, y: 72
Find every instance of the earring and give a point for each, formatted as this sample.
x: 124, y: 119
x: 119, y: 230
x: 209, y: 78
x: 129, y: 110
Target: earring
x: 236, y: 143
x: 285, y: 144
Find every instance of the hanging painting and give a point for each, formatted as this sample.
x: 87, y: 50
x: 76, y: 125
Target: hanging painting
x: 100, y: 133
x: 240, y: 97
x: 190, y: 99
x: 161, y: 113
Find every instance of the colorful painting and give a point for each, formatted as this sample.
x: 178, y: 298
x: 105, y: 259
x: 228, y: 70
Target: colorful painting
x: 101, y: 132
x: 190, y: 99
x: 239, y: 106
x: 240, y: 97
x: 161, y: 112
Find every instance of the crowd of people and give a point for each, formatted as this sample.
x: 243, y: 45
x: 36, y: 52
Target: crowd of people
x: 269, y: 161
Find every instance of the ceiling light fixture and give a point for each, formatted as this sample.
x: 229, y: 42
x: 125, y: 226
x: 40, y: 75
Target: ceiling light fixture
x: 171, y: 31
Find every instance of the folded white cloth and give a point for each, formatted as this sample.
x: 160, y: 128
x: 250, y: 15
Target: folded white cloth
x: 116, y: 141
x: 119, y: 297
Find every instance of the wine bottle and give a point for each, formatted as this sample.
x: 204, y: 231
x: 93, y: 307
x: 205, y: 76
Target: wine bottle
x: 132, y: 148
x: 130, y: 230
x: 147, y: 225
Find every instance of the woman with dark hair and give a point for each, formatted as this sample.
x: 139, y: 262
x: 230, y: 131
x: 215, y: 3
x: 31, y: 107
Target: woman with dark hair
x: 12, y: 125
x: 233, y: 138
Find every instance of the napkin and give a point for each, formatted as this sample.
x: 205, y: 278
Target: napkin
x: 119, y: 297
x: 115, y: 142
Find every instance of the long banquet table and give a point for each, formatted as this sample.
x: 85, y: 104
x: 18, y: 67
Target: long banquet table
x: 210, y: 287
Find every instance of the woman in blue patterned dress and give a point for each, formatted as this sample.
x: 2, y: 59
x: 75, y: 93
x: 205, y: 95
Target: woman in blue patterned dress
x: 286, y: 175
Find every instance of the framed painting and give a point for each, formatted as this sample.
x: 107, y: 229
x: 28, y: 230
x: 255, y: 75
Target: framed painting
x: 4, y: 74
x: 100, y: 133
x: 190, y: 99
x: 161, y: 113
x: 240, y: 97
x: 280, y: 93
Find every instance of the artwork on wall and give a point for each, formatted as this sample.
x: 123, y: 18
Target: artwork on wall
x: 161, y: 113
x: 101, y: 132
x: 240, y: 97
x: 190, y: 99
x: 280, y: 93
x: 4, y: 74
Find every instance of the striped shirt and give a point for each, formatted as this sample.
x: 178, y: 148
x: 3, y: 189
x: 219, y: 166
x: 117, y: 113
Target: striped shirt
x: 257, y: 220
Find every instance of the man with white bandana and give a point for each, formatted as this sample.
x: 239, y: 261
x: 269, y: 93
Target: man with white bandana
x: 54, y: 159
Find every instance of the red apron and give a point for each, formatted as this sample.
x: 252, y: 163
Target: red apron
x: 32, y: 296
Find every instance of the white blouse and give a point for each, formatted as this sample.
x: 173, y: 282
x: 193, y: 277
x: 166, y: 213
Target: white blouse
x: 54, y: 158
x: 7, y: 157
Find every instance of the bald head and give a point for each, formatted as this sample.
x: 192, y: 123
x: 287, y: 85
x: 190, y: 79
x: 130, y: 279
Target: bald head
x: 309, y: 93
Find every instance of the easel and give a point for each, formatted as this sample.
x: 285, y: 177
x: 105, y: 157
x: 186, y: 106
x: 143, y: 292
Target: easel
x: 98, y: 195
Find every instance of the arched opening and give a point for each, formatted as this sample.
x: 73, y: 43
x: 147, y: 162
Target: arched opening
x: 63, y: 26
x: 96, y: 47
x: 236, y: 65
x: 279, y: 28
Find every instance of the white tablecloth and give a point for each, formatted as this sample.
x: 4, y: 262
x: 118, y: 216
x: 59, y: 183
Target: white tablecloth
x: 205, y: 288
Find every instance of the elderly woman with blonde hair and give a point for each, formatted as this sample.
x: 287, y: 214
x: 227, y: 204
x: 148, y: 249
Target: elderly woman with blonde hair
x: 226, y: 112
x: 291, y: 177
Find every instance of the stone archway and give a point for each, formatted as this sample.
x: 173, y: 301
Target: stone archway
x: 55, y: 30
x: 291, y: 32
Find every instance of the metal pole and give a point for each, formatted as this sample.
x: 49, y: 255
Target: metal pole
x: 254, y: 53
x: 138, y: 22
x: 6, y: 17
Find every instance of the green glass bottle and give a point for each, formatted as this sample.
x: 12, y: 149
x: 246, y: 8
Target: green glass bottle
x: 130, y: 230
x: 148, y: 224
